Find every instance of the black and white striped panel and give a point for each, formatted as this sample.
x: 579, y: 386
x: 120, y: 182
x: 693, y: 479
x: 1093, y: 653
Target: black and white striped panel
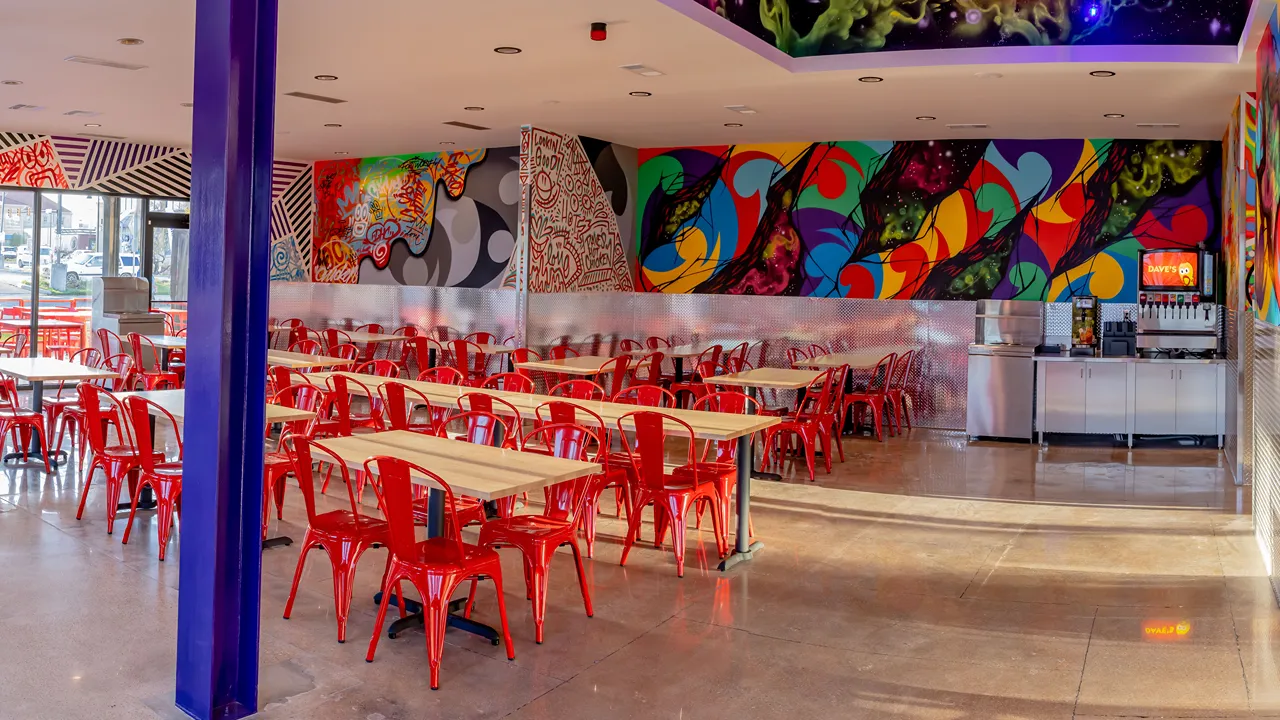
x: 299, y: 207
x: 9, y: 139
x: 167, y: 177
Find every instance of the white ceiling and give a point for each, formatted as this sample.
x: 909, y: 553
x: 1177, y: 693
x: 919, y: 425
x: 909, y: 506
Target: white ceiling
x: 406, y: 66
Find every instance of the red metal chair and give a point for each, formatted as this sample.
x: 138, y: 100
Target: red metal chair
x: 306, y: 347
x: 510, y: 382
x: 368, y: 349
x: 333, y: 337
x: 126, y: 372
x: 469, y: 359
x: 346, y: 352
x: 654, y: 342
x: 897, y: 393
x: 560, y: 352
x: 483, y: 402
x: 720, y: 457
x: 62, y: 411
x: 578, y: 390
x: 435, y: 567
x: 155, y: 377
x: 112, y: 344
x: 646, y: 396
x: 538, y: 536
x: 647, y: 370
x: 811, y: 426
x: 15, y: 345
x: 616, y: 369
x: 673, y: 493
x: 873, y: 396
x: 418, y: 350
x: 617, y: 472
x: 482, y: 338
x: 524, y: 355
x: 276, y: 464
x: 399, y: 404
x: 444, y: 375
x: 20, y: 423
x: 381, y: 368
x: 162, y: 475
x: 698, y: 385
x: 795, y: 355
x: 480, y: 428
x: 344, y: 534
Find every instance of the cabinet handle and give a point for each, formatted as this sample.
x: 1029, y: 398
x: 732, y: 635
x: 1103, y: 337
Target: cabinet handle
x: 1082, y: 373
x: 1170, y: 373
x: 1090, y: 372
x: 1179, y: 374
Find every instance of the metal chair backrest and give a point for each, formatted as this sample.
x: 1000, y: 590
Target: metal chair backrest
x: 346, y: 351
x: 646, y: 396
x: 560, y: 352
x: 652, y: 363
x: 112, y: 344
x: 645, y: 444
x: 337, y: 404
x: 92, y: 398
x: 444, y: 375
x: 879, y: 380
x: 306, y: 347
x: 653, y: 342
x: 902, y: 370
x: 334, y: 337
x: 394, y: 475
x: 482, y: 338
x: 143, y: 351
x: 524, y: 355
x: 737, y: 403
x: 578, y: 390
x: 126, y: 371
x: 567, y: 441
x: 617, y: 370
x: 468, y: 358
x: 303, y: 454
x: 418, y: 348
x: 795, y: 355
x: 381, y: 368
x: 511, y: 382
x: 485, y: 402
x: 140, y: 412
x: 816, y: 350
x: 481, y: 428
x: 628, y: 345
x: 299, y: 397
x: 399, y: 402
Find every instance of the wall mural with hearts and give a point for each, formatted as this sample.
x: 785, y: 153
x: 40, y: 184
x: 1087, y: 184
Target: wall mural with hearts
x: 945, y: 220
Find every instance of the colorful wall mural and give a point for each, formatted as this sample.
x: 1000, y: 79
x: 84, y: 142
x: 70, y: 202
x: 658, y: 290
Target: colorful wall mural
x: 1239, y: 203
x: 1266, y: 255
x: 441, y: 219
x: 803, y: 27
x: 959, y: 220
x: 574, y: 242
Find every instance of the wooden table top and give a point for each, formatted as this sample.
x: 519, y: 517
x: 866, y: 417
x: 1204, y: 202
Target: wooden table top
x: 42, y: 369
x: 360, y: 336
x: 864, y: 358
x: 582, y: 365
x: 706, y: 425
x: 175, y: 401
x: 302, y: 360
x: 170, y: 342
x: 495, y: 349
x: 783, y: 378
x: 45, y: 324
x: 480, y: 471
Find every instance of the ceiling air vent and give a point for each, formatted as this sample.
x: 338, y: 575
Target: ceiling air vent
x: 468, y: 126
x: 100, y: 136
x: 103, y: 63
x: 643, y: 70
x: 81, y: 113
x: 21, y: 106
x: 967, y: 126
x: 1158, y: 126
x: 317, y: 98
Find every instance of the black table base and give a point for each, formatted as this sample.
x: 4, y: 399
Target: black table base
x: 415, y: 619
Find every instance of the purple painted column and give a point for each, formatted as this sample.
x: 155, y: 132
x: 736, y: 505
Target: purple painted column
x: 221, y: 566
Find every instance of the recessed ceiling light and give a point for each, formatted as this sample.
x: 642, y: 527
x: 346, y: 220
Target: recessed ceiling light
x: 871, y: 79
x: 327, y: 78
x: 1113, y: 116
x: 640, y: 93
x: 340, y: 152
x: 550, y: 102
x: 333, y: 125
x: 966, y: 126
x: 473, y: 108
x: 446, y: 142
x: 129, y: 41
x: 507, y: 50
x: 10, y: 82
x: 733, y: 124
x: 92, y: 125
x: 1102, y: 73
x: 989, y: 75
x: 926, y: 118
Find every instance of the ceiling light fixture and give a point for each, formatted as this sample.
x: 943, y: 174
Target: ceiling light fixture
x: 870, y: 79
x: 92, y: 125
x: 643, y: 70
x: 733, y: 124
x: 743, y: 109
x: 967, y: 126
x: 640, y: 93
x: 447, y: 142
x: 187, y: 105
x: 1158, y: 126
x: 340, y: 152
x: 925, y: 118
x: 10, y: 82
x: 473, y: 108
x: 85, y: 60
x: 507, y: 50
x: 326, y: 78
x: 989, y: 75
x: 1102, y: 73
x: 129, y: 41
x: 1113, y: 116
x: 333, y: 124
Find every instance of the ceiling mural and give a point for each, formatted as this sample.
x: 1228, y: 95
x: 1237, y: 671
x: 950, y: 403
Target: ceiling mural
x: 803, y: 28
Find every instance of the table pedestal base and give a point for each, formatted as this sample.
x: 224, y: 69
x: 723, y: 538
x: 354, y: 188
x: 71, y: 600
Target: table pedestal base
x: 34, y: 457
x: 415, y: 620
x: 282, y: 541
x: 736, y: 557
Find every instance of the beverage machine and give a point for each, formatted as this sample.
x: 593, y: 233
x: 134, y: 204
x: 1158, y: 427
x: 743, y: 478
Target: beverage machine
x: 1176, y: 312
x: 1086, y: 325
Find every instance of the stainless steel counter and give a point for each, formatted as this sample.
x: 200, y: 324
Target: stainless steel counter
x: 1133, y: 360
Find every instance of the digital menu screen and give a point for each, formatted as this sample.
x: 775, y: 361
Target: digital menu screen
x: 1170, y: 270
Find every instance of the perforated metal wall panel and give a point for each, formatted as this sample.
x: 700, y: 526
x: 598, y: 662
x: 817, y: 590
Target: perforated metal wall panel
x: 464, y: 310
x: 595, y: 322
x: 1266, y: 437
x: 1249, y: 324
x: 1231, y: 350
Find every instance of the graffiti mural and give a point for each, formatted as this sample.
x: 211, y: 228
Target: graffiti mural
x: 444, y: 219
x: 803, y: 28
x: 574, y: 240
x: 1266, y: 254
x: 1007, y: 219
x: 1250, y: 138
x: 1239, y: 202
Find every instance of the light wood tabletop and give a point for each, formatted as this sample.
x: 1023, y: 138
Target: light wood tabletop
x: 706, y: 425
x: 45, y: 324
x: 582, y: 365
x: 685, y: 351
x: 480, y: 471
x: 169, y: 342
x: 360, y: 336
x: 41, y: 369
x: 781, y: 378
x: 864, y: 358
x: 175, y: 400
x: 495, y: 349
x: 302, y: 360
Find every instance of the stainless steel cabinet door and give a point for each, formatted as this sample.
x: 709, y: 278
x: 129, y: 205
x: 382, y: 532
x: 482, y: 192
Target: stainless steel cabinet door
x: 1156, y: 402
x: 1106, y: 398
x: 1197, y: 400
x: 1064, y: 397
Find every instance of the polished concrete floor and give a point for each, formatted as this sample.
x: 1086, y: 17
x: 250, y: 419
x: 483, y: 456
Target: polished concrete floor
x: 922, y: 579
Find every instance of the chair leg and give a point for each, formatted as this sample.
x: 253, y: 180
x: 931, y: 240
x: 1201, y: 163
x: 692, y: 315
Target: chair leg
x: 496, y: 576
x: 582, y: 578
x: 344, y: 563
x: 435, y: 611
x: 677, y: 507
x: 307, y: 543
x: 392, y: 583
x: 164, y: 521
x: 633, y: 527
x: 133, y: 511
x: 540, y: 570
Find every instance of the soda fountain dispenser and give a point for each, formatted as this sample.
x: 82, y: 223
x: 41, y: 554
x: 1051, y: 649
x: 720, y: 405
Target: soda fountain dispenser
x: 1176, y: 312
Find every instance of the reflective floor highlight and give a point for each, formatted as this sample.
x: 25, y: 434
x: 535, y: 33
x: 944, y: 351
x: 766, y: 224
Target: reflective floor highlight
x: 923, y: 578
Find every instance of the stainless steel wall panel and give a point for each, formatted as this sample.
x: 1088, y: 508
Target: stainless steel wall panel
x: 463, y: 310
x: 1266, y: 449
x: 1247, y: 348
x: 1231, y: 438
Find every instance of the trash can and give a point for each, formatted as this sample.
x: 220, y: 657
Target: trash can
x: 58, y: 276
